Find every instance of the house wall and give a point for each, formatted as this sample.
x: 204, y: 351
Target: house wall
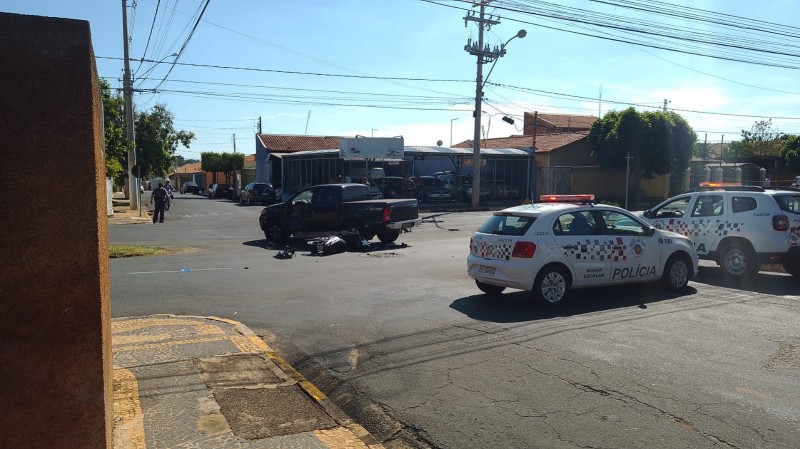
x: 55, y: 356
x: 610, y: 184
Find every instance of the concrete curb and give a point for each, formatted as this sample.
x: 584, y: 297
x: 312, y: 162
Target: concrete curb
x: 339, y: 416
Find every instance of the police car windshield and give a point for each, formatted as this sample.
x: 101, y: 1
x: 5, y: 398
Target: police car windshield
x: 507, y: 225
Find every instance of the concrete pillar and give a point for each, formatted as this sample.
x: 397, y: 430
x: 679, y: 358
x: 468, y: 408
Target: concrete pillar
x: 687, y: 179
x: 55, y: 352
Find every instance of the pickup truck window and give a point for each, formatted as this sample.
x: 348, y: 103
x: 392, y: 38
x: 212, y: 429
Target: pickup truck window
x: 326, y: 197
x: 356, y: 193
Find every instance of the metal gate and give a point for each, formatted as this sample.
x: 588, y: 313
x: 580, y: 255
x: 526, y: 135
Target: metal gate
x: 554, y: 181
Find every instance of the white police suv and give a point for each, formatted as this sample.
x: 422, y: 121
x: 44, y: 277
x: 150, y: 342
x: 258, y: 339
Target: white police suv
x: 739, y: 227
x: 568, y: 241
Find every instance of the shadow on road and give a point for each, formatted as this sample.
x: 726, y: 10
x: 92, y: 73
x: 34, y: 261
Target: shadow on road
x: 301, y: 247
x: 765, y: 282
x: 517, y: 306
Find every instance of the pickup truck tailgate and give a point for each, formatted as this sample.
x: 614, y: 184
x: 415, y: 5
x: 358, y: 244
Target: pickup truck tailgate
x: 403, y: 210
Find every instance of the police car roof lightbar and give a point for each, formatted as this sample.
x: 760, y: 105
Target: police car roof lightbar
x: 584, y: 198
x: 719, y: 184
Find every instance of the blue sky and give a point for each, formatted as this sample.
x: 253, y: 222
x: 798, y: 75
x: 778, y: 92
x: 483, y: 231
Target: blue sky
x: 342, y: 52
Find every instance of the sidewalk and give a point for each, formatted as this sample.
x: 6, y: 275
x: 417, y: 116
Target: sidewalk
x: 206, y: 382
x: 123, y: 213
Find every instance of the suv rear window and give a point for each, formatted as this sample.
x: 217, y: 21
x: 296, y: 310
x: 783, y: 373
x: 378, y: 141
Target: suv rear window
x: 789, y: 202
x: 507, y: 225
x: 743, y: 203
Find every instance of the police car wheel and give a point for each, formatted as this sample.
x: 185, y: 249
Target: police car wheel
x: 489, y: 289
x: 551, y: 286
x: 676, y: 273
x: 737, y: 260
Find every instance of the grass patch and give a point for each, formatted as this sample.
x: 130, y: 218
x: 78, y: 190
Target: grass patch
x: 117, y: 251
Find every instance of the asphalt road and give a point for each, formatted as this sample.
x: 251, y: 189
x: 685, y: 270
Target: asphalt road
x: 402, y: 340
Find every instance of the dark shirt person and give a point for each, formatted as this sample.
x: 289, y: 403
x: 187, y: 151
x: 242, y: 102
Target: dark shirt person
x: 161, y: 198
x: 408, y: 187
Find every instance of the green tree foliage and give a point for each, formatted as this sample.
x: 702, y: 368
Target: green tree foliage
x: 226, y: 163
x: 658, y: 143
x: 157, y: 140
x: 761, y: 140
x: 791, y: 152
x: 116, y: 148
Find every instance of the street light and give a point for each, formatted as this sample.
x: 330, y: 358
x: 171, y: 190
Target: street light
x: 484, y: 55
x: 451, y: 130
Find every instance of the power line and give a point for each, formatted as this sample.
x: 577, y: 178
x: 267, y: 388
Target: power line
x: 149, y: 35
x: 185, y: 44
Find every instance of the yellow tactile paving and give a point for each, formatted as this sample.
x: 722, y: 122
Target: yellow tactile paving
x: 166, y: 344
x: 128, y: 325
x: 128, y: 430
x: 340, y: 438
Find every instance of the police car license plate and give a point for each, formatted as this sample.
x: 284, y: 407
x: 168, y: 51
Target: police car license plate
x: 488, y: 271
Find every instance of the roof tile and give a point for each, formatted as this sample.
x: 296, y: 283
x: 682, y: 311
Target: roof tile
x: 281, y: 143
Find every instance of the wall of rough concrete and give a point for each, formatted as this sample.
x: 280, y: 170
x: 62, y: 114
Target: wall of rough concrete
x: 55, y: 346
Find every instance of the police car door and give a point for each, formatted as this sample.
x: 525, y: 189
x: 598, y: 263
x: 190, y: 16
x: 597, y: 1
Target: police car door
x: 635, y: 253
x: 577, y: 236
x: 704, y: 221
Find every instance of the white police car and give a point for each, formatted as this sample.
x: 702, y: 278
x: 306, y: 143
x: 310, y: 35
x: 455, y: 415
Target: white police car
x: 568, y: 241
x: 739, y: 227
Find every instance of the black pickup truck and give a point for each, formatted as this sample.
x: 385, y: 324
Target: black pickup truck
x: 330, y: 208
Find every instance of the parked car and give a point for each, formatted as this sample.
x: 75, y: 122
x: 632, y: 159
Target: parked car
x: 433, y: 189
x: 568, y: 241
x: 461, y: 186
x: 220, y: 191
x: 257, y: 192
x: 739, y: 227
x: 190, y: 187
x: 391, y: 186
x: 329, y: 208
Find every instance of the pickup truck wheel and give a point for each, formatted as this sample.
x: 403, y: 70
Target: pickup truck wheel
x: 388, y: 236
x: 358, y: 229
x: 274, y: 231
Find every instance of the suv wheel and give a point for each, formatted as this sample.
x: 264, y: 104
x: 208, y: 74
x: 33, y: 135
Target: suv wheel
x: 273, y: 231
x: 792, y: 268
x: 738, y: 260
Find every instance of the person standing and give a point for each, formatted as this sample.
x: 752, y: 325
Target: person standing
x: 161, y: 198
x: 408, y: 187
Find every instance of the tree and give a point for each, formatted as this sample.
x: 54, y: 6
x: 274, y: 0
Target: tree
x: 791, y: 152
x: 116, y: 146
x: 226, y: 163
x: 157, y: 140
x: 761, y: 140
x: 657, y: 142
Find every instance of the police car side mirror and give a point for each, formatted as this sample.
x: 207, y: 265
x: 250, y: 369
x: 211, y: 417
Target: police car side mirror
x: 649, y: 231
x: 647, y: 214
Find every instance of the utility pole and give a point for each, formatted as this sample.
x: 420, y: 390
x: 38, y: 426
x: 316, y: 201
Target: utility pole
x: 665, y: 104
x: 127, y: 89
x: 627, y: 175
x: 233, y: 138
x: 484, y: 55
x: 259, y: 124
